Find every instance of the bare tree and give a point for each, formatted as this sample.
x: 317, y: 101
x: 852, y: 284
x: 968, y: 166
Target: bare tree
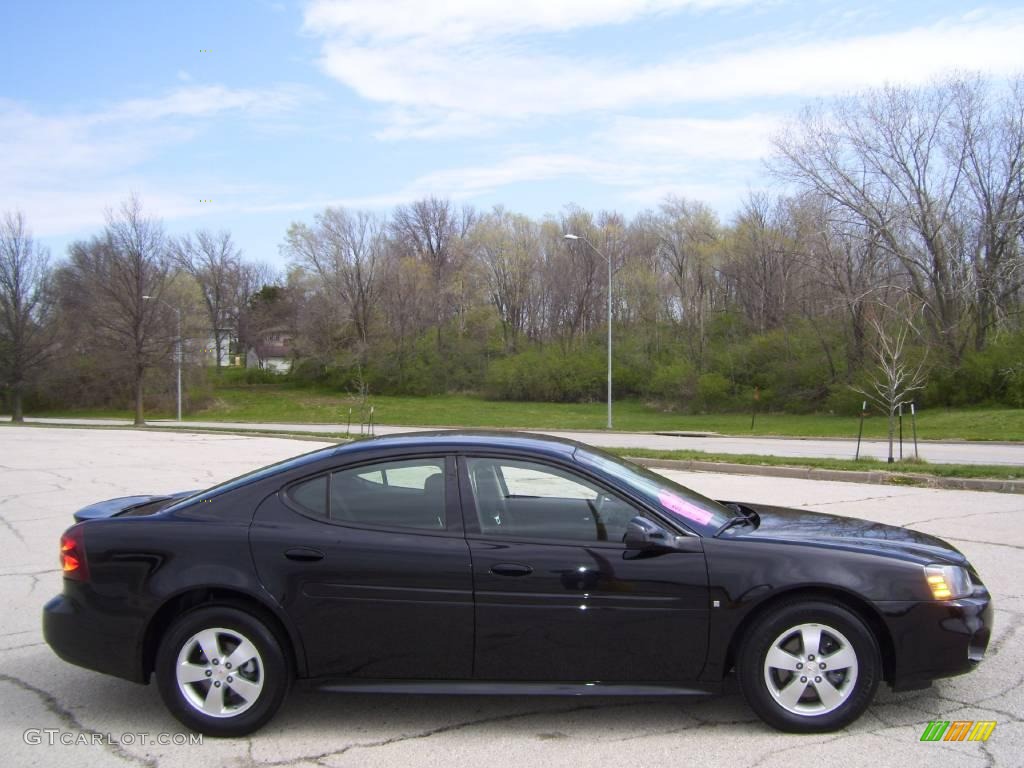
x: 763, y: 266
x: 900, y: 160
x: 407, y: 302
x: 987, y: 140
x: 215, y: 264
x: 896, y: 373
x: 847, y: 268
x: 25, y: 330
x: 108, y: 279
x: 687, y: 231
x: 253, y: 278
x: 432, y: 230
x: 508, y: 248
x: 345, y: 251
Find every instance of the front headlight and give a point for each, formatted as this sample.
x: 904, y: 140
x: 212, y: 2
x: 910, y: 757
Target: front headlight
x: 948, y: 582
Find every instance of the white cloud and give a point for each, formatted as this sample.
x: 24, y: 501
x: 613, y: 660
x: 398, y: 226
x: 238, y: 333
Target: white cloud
x: 644, y: 159
x: 462, y: 21
x: 683, y: 138
x: 62, y: 170
x: 454, y: 68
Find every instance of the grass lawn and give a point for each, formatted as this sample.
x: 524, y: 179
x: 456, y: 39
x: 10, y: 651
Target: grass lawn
x: 996, y: 472
x: 282, y: 403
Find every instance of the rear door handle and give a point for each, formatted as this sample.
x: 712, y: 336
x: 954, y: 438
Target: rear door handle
x: 511, y: 569
x: 304, y: 554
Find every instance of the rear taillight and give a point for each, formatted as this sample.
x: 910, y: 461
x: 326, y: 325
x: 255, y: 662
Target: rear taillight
x: 72, y: 555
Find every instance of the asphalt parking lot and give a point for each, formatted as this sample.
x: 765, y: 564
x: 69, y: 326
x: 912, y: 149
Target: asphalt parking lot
x: 47, y: 473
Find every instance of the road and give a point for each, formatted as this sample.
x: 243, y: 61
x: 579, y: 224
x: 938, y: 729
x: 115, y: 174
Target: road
x: 45, y: 474
x: 939, y: 452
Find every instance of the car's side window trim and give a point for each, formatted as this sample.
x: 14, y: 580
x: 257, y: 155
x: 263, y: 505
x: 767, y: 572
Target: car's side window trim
x: 471, y: 523
x: 453, y: 513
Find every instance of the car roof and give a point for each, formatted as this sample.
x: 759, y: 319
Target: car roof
x: 454, y: 440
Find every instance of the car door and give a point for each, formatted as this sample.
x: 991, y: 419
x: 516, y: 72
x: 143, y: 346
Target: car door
x: 558, y: 594
x: 371, y: 564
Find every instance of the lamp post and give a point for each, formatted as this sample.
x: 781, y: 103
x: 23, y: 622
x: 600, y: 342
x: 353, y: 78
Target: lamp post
x: 609, y: 261
x: 177, y: 312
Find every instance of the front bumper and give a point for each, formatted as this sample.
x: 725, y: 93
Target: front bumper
x: 68, y: 630
x: 937, y: 639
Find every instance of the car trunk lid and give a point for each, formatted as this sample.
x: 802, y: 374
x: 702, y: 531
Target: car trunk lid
x: 129, y: 506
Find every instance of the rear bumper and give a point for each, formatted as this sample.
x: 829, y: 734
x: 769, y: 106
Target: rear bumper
x: 932, y: 640
x: 71, y: 634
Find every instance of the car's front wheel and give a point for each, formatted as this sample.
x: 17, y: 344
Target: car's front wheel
x: 221, y: 671
x: 809, y: 666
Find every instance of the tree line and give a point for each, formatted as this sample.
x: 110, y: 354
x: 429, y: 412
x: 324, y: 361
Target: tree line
x: 901, y: 228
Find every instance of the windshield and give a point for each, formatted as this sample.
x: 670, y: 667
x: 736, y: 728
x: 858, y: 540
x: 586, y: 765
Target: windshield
x: 676, y: 500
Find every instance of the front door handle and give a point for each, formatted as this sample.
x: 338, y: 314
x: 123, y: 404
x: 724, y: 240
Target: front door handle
x: 304, y: 554
x: 511, y: 569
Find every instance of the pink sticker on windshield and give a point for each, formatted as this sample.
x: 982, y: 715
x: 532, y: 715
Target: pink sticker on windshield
x: 683, y: 508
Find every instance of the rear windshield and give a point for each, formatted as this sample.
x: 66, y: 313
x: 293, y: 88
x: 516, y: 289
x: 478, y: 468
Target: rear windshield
x: 251, y: 477
x: 675, y: 500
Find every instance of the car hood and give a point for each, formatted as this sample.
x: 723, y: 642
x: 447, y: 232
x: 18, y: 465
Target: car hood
x: 805, y: 526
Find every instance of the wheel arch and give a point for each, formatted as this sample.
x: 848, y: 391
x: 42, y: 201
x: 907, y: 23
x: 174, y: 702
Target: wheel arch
x: 853, y: 602
x: 199, y: 597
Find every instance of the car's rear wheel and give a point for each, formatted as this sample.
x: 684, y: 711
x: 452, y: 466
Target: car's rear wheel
x: 809, y: 666
x: 221, y: 671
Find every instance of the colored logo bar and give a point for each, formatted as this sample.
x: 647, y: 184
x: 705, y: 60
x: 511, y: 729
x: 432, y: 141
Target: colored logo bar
x: 958, y: 730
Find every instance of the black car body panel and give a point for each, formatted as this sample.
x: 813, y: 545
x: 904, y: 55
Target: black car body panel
x: 366, y: 607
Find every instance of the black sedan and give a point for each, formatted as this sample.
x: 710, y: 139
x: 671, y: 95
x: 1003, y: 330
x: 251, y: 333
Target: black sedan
x: 503, y: 564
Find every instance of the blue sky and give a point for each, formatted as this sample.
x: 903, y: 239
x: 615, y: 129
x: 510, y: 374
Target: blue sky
x: 273, y: 110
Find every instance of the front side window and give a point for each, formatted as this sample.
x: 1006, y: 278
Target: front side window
x: 529, y: 500
x: 400, y: 494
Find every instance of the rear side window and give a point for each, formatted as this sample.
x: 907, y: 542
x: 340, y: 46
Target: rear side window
x: 311, y: 495
x: 401, y: 494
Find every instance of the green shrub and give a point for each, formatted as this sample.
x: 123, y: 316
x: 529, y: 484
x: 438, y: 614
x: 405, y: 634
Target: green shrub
x: 246, y: 376
x: 549, y: 374
x: 991, y: 376
x: 842, y: 400
x: 713, y: 391
x: 674, y: 383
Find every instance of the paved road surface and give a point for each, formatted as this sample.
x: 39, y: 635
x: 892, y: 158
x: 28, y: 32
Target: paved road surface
x: 47, y: 473
x: 937, y: 452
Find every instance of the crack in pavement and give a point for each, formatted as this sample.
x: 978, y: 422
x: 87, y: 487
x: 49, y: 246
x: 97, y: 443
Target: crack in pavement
x: 811, y: 504
x: 450, y: 728
x: 19, y: 632
x: 802, y: 745
x: 19, y: 647
x: 13, y: 530
x: 30, y: 573
x: 989, y: 543
x: 883, y: 734
x: 50, y: 703
x: 955, y: 516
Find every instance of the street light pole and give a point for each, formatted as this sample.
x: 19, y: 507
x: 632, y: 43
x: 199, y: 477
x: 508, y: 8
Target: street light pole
x: 177, y: 346
x: 609, y: 261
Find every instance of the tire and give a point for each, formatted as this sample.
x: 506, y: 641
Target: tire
x: 235, y: 692
x: 824, y: 699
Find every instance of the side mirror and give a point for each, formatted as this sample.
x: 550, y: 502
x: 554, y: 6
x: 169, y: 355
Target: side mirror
x: 642, y: 534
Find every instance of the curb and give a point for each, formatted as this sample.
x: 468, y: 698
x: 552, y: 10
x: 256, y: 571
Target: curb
x: 874, y: 477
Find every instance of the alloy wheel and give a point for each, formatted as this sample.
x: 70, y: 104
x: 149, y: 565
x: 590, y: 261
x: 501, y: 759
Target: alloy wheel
x: 219, y: 672
x: 810, y: 669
